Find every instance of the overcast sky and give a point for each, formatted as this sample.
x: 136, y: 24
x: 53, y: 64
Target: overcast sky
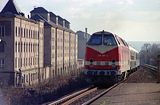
x: 131, y: 19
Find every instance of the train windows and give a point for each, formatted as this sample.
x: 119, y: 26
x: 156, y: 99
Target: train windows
x: 95, y: 40
x: 109, y: 40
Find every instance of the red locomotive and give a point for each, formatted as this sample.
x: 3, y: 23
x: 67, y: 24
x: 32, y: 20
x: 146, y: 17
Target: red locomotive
x: 108, y: 58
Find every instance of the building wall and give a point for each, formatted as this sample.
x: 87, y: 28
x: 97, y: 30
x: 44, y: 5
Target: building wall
x: 83, y: 37
x: 35, y: 52
x: 59, y: 51
x: 66, y: 52
x: 53, y: 53
x: 6, y: 57
x: 28, y: 44
x: 61, y: 46
x: 47, y: 46
x: 72, y: 50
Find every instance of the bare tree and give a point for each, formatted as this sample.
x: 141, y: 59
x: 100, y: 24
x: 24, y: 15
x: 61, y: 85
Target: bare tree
x: 148, y: 53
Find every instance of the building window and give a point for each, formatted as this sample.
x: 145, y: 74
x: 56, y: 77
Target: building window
x: 26, y: 33
x: 1, y: 63
x: 20, y: 62
x: 2, y: 49
x: 26, y: 62
x: 21, y: 32
x: 16, y: 32
x: 24, y: 78
x: 16, y: 47
x: 0, y: 30
x: 29, y: 33
x: 15, y: 62
x: 24, y: 47
x: 31, y: 47
x: 21, y: 47
x: 3, y: 30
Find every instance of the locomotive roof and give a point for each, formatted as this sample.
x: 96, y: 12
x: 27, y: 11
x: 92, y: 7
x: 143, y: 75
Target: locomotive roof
x: 102, y: 32
x: 133, y: 49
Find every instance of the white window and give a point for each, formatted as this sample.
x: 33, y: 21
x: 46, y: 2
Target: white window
x: 1, y: 63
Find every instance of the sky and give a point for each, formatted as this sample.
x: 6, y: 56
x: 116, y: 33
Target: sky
x: 133, y: 20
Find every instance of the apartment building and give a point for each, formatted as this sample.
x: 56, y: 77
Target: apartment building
x: 60, y: 42
x: 34, y: 49
x: 21, y: 44
x: 83, y: 37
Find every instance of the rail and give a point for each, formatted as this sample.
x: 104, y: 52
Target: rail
x: 101, y: 94
x: 153, y: 68
x: 69, y: 97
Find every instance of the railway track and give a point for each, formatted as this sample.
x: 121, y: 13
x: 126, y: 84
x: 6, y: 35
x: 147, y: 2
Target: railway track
x: 88, y: 95
x: 83, y: 97
x: 153, y: 68
x: 102, y: 93
x: 72, y: 97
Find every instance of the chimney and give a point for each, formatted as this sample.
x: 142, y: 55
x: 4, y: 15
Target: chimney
x: 85, y: 34
x: 86, y: 30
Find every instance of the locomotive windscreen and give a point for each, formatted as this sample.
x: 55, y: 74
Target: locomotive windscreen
x: 95, y: 40
x: 109, y: 40
x: 102, y: 39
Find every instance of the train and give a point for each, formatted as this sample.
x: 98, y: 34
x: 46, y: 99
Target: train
x: 109, y: 58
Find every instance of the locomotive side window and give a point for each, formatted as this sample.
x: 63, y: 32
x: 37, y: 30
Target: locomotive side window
x: 117, y: 40
x: 109, y: 40
x: 95, y: 40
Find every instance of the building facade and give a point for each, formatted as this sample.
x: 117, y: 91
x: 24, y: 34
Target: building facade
x: 34, y: 49
x: 83, y: 37
x: 22, y: 40
x: 60, y: 42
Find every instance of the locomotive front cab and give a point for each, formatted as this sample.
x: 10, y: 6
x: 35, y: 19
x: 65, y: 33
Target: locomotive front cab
x: 101, y: 57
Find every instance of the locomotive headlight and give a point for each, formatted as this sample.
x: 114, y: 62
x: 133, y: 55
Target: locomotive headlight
x: 91, y: 61
x: 113, y: 64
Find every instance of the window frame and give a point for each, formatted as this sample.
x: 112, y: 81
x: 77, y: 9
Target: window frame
x: 113, y: 39
x: 95, y: 35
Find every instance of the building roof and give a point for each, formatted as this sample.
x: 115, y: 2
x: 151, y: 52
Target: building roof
x: 39, y: 17
x: 51, y: 13
x: 11, y: 7
x: 39, y: 10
